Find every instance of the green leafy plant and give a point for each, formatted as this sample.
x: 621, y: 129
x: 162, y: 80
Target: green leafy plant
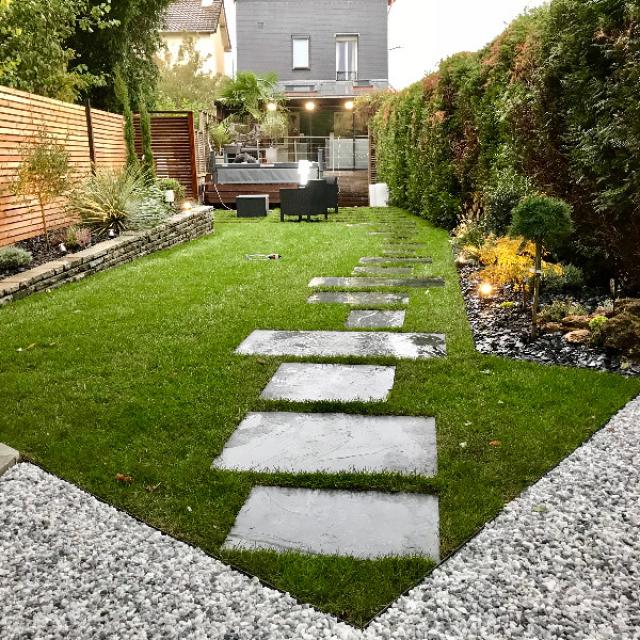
x: 107, y: 200
x: 571, y: 278
x: 13, y: 259
x: 248, y: 94
x: 596, y: 326
x: 560, y: 309
x: 77, y: 237
x: 43, y: 174
x: 219, y: 136
x: 150, y: 211
x: 122, y: 95
x: 171, y: 184
x: 148, y: 163
x: 544, y: 221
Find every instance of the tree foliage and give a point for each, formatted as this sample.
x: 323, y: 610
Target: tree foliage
x: 552, y: 105
x: 35, y: 53
x: 183, y: 85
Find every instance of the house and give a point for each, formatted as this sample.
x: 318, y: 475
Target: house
x: 324, y: 52
x: 203, y: 22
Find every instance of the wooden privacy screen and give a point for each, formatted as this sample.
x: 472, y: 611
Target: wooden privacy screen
x: 179, y: 151
x: 22, y: 117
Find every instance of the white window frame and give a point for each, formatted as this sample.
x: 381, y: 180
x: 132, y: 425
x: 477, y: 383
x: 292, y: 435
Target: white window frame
x: 295, y: 39
x: 348, y: 37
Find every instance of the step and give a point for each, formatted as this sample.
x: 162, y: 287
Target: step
x: 383, y: 271
x: 371, y: 319
x: 309, y: 382
x: 365, y: 283
x: 331, y: 443
x: 332, y: 344
x: 364, y: 524
x: 358, y: 298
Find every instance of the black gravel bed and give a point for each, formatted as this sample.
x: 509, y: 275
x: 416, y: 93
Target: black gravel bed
x: 507, y: 331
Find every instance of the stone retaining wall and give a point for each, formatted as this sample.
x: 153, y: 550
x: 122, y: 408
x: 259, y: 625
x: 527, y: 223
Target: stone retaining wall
x: 179, y: 228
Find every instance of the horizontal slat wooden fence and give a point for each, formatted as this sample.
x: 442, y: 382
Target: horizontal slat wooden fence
x: 179, y: 150
x: 22, y: 117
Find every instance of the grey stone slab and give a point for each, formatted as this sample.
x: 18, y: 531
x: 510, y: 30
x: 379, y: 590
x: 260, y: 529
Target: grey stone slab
x: 331, y: 443
x: 8, y: 457
x: 388, y: 260
x: 369, y: 319
x: 395, y: 246
x: 358, y: 298
x: 400, y: 254
x: 383, y: 271
x: 365, y: 283
x: 358, y: 524
x: 305, y: 382
x: 330, y: 344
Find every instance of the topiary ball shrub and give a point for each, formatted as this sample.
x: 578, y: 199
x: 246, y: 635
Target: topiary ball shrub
x: 543, y: 220
x: 13, y: 259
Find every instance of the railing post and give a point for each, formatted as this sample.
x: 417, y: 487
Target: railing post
x: 194, y: 165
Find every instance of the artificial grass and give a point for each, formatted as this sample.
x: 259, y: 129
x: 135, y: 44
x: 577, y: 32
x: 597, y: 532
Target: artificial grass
x: 133, y: 371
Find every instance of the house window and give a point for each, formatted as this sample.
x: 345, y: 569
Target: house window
x: 301, y: 46
x: 347, y: 57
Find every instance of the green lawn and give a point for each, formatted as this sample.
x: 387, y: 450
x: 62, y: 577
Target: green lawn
x: 133, y: 371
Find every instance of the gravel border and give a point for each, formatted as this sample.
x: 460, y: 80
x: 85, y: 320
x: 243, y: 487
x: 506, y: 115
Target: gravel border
x: 561, y: 561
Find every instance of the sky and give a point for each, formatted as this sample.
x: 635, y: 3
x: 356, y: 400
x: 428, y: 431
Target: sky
x: 423, y: 32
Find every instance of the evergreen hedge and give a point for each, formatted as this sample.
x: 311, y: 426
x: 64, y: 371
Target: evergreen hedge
x: 552, y: 106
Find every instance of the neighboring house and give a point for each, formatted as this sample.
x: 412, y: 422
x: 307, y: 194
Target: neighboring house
x: 325, y: 52
x: 203, y: 22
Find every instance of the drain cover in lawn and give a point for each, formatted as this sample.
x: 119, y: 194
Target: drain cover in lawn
x: 331, y: 443
x: 302, y: 382
x: 362, y: 525
x: 369, y: 319
x: 328, y: 344
x: 357, y: 298
x: 364, y: 283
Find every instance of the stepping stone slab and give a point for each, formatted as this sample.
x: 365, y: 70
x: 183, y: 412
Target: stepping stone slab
x: 399, y: 254
x: 304, y: 382
x: 359, y: 524
x: 331, y: 443
x: 383, y: 271
x: 8, y: 457
x: 388, y: 260
x: 331, y: 344
x: 369, y: 319
x: 364, y: 283
x: 358, y: 298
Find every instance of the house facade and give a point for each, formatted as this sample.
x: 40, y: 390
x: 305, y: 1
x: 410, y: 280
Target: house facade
x: 204, y: 23
x: 325, y: 53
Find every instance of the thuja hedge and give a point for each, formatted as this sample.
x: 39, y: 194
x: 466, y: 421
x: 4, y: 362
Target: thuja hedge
x: 551, y: 106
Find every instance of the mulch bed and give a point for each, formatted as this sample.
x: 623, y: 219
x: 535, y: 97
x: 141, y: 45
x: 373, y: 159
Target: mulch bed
x: 507, y: 331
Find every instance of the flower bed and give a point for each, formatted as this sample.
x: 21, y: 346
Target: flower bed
x: 104, y: 255
x: 501, y: 325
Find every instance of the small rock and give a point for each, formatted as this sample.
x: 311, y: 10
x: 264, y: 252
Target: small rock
x: 580, y: 336
x: 576, y: 322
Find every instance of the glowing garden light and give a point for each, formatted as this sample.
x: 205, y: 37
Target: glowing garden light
x: 485, y: 289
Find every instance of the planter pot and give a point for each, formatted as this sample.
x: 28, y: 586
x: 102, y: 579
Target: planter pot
x: 169, y: 196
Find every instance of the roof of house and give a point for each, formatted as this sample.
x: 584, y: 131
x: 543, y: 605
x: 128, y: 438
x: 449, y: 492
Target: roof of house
x: 192, y: 17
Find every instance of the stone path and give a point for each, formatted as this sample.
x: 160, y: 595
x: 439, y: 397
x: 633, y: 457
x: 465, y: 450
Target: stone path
x: 360, y: 344
x: 388, y: 260
x: 360, y: 298
x: 375, y: 283
x: 301, y: 382
x: 363, y: 525
x: 370, y: 319
x: 331, y: 443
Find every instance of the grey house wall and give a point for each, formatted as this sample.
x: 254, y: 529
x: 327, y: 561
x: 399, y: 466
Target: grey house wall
x: 265, y: 27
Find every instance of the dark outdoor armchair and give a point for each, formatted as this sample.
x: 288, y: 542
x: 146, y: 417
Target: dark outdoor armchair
x: 313, y: 200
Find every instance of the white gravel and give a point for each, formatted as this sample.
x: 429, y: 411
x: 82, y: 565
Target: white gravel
x: 562, y: 561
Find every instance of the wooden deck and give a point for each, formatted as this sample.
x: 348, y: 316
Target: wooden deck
x: 354, y: 190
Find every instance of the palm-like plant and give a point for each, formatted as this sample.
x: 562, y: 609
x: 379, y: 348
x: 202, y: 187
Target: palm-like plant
x: 109, y: 199
x: 248, y: 94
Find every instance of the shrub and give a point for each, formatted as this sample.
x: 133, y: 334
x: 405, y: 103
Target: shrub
x: 596, y: 326
x: 150, y: 211
x: 500, y: 200
x: 13, y: 259
x: 570, y: 279
x: 560, y: 309
x: 171, y: 184
x: 77, y: 237
x: 108, y: 199
x: 469, y: 233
